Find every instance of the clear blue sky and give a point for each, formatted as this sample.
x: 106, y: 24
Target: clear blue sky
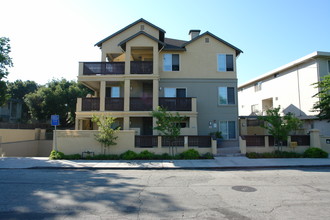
x: 49, y: 38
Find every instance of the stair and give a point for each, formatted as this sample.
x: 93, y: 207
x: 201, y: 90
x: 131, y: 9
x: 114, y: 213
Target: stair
x: 229, y: 152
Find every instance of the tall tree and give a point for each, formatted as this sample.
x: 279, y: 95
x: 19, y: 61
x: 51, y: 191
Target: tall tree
x: 323, y: 105
x: 18, y: 89
x: 5, y: 63
x: 278, y: 126
x: 58, y: 97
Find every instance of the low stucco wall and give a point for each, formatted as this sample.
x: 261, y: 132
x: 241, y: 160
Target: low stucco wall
x: 325, y: 143
x: 78, y: 141
x: 33, y: 148
x: 16, y: 135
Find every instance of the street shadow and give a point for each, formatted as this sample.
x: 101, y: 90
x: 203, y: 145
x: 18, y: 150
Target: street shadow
x: 51, y: 193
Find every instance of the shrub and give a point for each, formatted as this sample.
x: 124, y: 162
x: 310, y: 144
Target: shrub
x: 146, y: 155
x: 56, y: 155
x: 275, y: 154
x: 190, y: 154
x: 129, y: 155
x: 72, y: 157
x: 208, y: 156
x: 314, y: 152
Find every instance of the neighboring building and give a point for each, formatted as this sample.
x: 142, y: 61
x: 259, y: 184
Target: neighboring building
x: 289, y: 87
x: 140, y: 70
x: 11, y: 111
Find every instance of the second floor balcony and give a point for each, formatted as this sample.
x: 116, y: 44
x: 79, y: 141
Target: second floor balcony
x: 115, y: 68
x: 136, y: 104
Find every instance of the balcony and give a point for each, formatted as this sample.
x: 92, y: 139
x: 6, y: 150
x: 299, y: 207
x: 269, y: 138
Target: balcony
x: 114, y: 104
x: 90, y: 104
x: 141, y: 67
x: 137, y: 104
x: 176, y: 104
x: 141, y: 104
x: 103, y: 68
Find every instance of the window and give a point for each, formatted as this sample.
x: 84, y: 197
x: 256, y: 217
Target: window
x: 254, y: 108
x: 171, y: 62
x: 175, y: 92
x: 257, y: 86
x: 225, y: 62
x: 113, y: 92
x: 226, y: 95
x: 328, y: 66
x: 228, y: 129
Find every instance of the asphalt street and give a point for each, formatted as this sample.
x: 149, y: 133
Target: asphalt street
x: 301, y: 193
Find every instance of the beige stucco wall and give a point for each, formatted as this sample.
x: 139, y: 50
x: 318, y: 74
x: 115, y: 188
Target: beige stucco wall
x: 76, y: 142
x: 14, y: 135
x: 111, y: 45
x: 324, y: 144
x: 35, y: 148
x: 203, y: 53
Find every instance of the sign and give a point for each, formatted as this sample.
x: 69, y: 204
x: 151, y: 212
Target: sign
x: 55, y: 120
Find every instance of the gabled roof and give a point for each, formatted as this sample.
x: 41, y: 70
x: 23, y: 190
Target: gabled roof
x: 99, y: 44
x: 238, y: 51
x: 285, y: 67
x: 174, y: 44
x: 138, y: 34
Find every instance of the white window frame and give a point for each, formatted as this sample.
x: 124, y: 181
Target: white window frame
x: 225, y: 130
x: 175, y: 88
x: 169, y: 66
x: 226, y: 93
x: 222, y: 62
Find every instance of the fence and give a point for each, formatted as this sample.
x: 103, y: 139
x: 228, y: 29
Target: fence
x: 76, y: 142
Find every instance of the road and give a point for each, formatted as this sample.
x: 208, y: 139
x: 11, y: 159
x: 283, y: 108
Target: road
x: 165, y: 194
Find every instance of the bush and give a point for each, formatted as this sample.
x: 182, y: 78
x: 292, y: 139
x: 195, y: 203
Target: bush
x: 314, y: 152
x: 146, y: 155
x: 207, y: 156
x: 103, y: 157
x: 129, y: 155
x: 72, y: 157
x: 56, y: 155
x: 190, y: 154
x: 275, y: 154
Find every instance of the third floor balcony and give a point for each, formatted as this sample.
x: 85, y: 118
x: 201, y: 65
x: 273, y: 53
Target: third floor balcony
x: 115, y: 68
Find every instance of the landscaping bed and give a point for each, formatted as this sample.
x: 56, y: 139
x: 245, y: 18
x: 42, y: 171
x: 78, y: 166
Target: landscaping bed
x: 312, y: 152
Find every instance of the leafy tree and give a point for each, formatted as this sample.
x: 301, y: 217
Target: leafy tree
x: 323, y: 105
x: 5, y: 63
x: 168, y: 124
x: 18, y: 89
x: 278, y: 126
x: 58, y: 97
x: 107, y: 135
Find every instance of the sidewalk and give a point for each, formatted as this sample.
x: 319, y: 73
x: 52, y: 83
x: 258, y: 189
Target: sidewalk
x: 217, y: 163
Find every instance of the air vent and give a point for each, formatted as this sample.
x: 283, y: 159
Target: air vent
x: 142, y: 27
x: 207, y: 40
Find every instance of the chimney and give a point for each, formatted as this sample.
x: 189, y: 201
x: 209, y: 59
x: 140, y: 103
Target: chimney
x: 194, y: 33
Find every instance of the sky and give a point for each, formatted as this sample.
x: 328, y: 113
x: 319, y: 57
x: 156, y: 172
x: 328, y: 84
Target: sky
x: 49, y: 38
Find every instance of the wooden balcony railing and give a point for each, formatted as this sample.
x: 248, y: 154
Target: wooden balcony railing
x: 141, y: 67
x: 200, y: 141
x: 114, y: 104
x: 90, y: 104
x: 141, y: 104
x: 103, y: 68
x: 175, y: 104
x: 146, y: 141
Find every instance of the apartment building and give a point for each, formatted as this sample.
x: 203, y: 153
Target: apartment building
x: 290, y: 87
x: 141, y: 69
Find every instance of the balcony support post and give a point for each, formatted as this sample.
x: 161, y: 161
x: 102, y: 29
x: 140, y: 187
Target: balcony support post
x: 128, y: 59
x: 127, y: 91
x: 126, y: 123
x: 155, y: 94
x: 102, y: 96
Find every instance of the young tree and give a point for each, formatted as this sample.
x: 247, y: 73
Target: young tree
x: 5, y: 63
x: 169, y: 125
x: 323, y: 105
x: 106, y: 135
x: 278, y: 126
